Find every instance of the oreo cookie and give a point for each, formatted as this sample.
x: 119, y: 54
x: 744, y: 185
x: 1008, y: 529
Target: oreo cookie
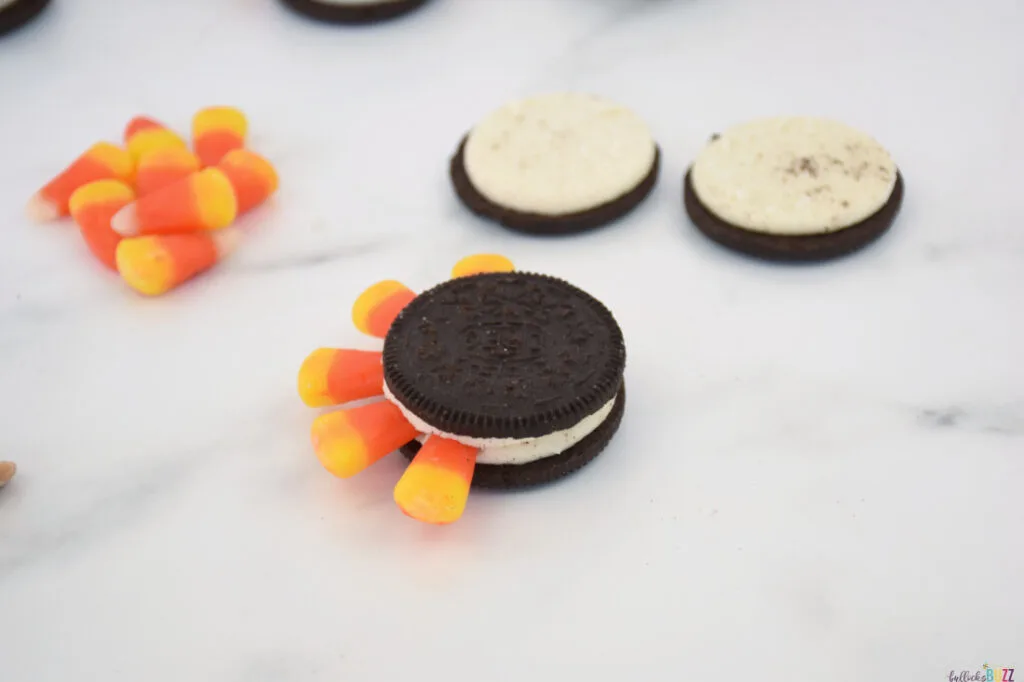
x: 16, y: 13
x: 509, y: 379
x: 556, y: 164
x: 793, y: 189
x: 506, y: 358
x: 353, y: 11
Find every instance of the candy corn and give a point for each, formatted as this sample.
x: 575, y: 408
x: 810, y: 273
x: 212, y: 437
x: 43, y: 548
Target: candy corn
x: 162, y: 167
x: 480, y: 263
x: 217, y: 131
x: 102, y: 161
x: 7, y: 471
x: 378, y: 306
x: 252, y: 177
x: 155, y: 264
x: 203, y: 201
x: 348, y: 441
x: 331, y: 376
x: 435, y: 487
x: 92, y: 206
x: 143, y: 135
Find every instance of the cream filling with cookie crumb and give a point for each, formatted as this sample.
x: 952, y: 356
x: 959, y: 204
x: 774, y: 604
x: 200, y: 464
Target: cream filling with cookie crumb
x: 793, y: 176
x: 513, y: 450
x: 558, y: 154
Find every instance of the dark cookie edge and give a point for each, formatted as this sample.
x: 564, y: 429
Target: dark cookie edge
x: 451, y: 419
x: 353, y: 15
x: 799, y: 248
x: 19, y: 14
x: 538, y: 223
x: 549, y: 469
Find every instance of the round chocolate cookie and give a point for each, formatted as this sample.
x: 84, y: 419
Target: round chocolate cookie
x: 793, y: 189
x: 556, y: 164
x: 538, y: 472
x: 353, y: 11
x: 527, y: 368
x: 16, y: 13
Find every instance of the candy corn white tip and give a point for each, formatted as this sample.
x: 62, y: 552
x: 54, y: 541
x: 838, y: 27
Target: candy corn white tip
x: 227, y: 240
x: 40, y: 210
x: 125, y: 222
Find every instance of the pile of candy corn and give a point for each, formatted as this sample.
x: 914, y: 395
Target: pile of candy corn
x: 155, y: 211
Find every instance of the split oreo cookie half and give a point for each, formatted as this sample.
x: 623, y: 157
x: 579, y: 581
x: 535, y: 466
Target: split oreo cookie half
x: 353, y: 11
x: 793, y: 189
x: 16, y: 13
x: 556, y: 164
x: 526, y: 368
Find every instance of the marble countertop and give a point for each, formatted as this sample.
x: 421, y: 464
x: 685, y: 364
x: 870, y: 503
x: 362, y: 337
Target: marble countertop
x: 820, y: 469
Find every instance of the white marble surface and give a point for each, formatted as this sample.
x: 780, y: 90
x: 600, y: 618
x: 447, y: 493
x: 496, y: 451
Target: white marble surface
x: 820, y: 470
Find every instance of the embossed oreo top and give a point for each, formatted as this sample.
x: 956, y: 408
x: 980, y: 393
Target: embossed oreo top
x: 504, y: 355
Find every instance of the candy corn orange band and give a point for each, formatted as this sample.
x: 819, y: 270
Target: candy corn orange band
x: 435, y: 487
x: 153, y: 265
x: 348, y: 441
x: 92, y: 206
x: 378, y: 306
x: 144, y: 135
x: 203, y: 201
x: 480, y: 263
x: 253, y: 177
x: 102, y: 161
x: 331, y: 376
x: 217, y: 131
x: 163, y: 167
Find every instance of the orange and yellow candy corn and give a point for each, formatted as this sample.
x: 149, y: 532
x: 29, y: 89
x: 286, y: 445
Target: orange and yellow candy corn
x: 155, y: 264
x: 378, y: 306
x: 203, y: 201
x: 435, y: 486
x: 143, y: 135
x: 162, y: 167
x: 348, y: 441
x: 93, y: 206
x: 217, y: 131
x: 332, y: 376
x: 480, y: 263
x: 253, y: 178
x: 102, y: 161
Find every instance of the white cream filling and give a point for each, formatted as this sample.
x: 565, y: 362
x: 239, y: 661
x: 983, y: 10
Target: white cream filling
x: 514, y: 450
x: 558, y: 153
x: 793, y: 176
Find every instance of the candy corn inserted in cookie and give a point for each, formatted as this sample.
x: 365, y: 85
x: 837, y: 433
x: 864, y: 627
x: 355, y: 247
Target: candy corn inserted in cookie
x: 484, y: 262
x: 332, y: 376
x: 378, y: 306
x: 93, y: 206
x: 203, y: 201
x: 102, y: 161
x: 162, y: 167
x: 217, y: 131
x: 143, y: 135
x: 252, y: 176
x: 435, y: 487
x: 469, y: 364
x: 155, y: 264
x: 348, y: 441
